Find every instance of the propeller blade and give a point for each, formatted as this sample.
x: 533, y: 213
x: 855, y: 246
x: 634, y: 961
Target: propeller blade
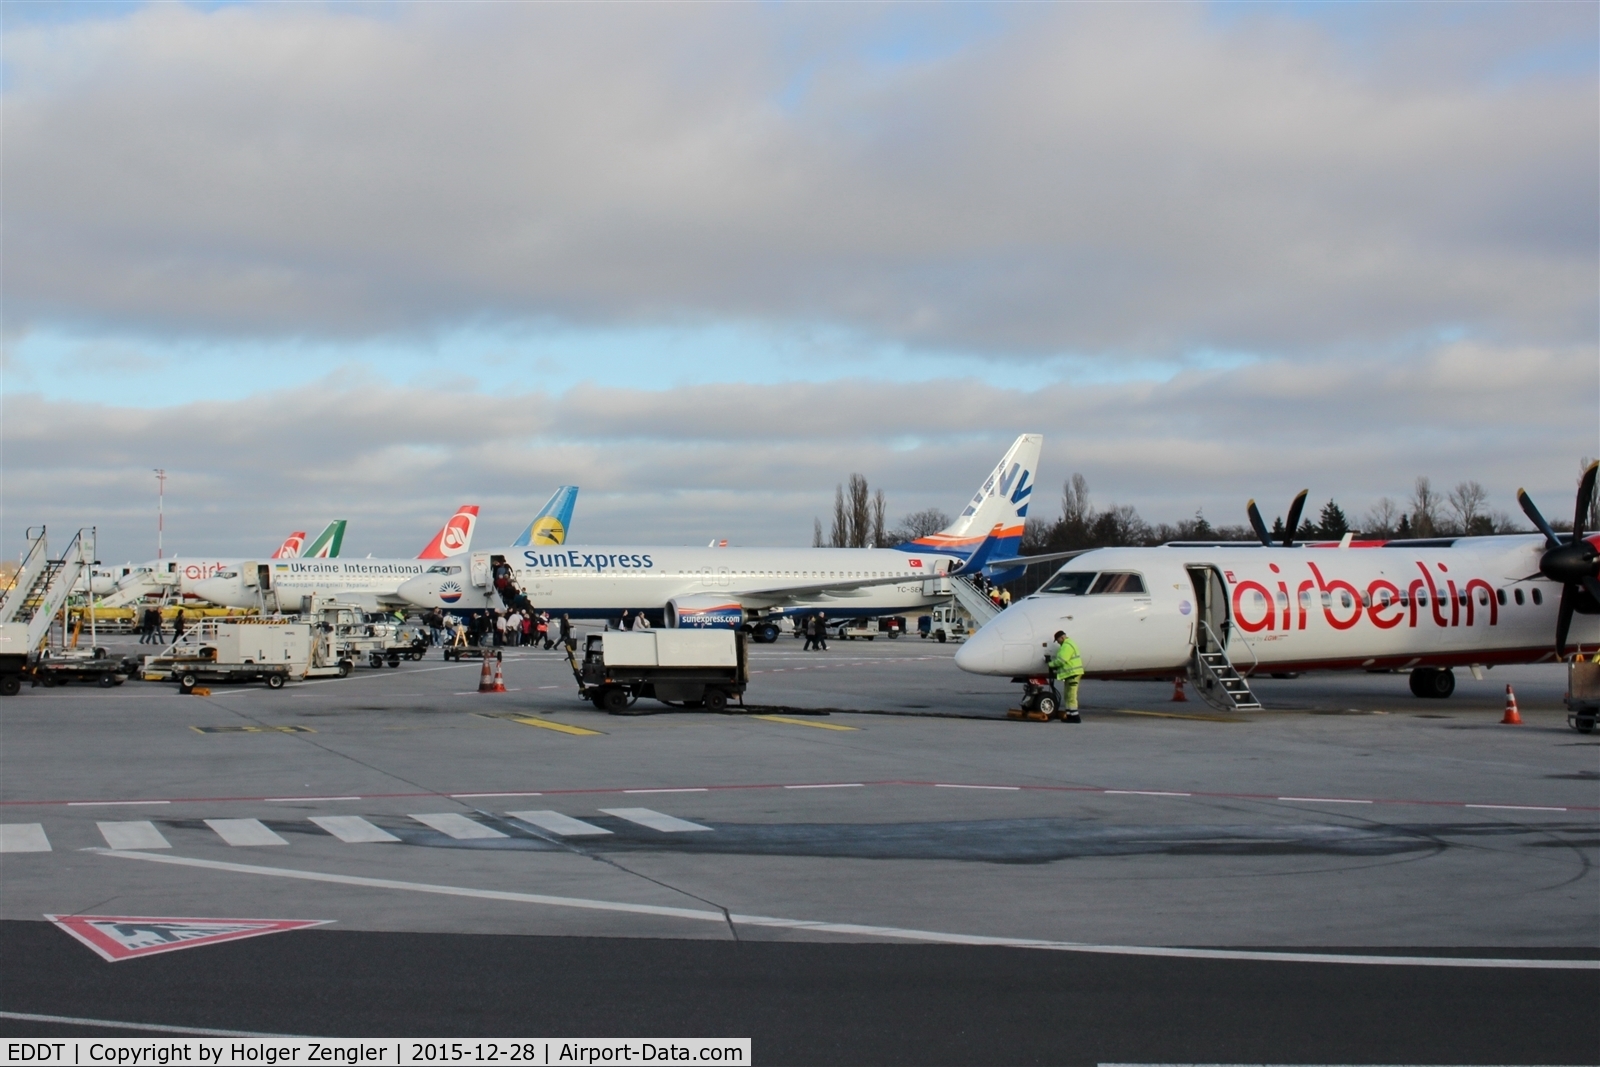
x: 1564, y: 619
x: 1593, y: 586
x: 1256, y: 523
x: 1532, y: 512
x: 1293, y: 524
x: 1580, y: 514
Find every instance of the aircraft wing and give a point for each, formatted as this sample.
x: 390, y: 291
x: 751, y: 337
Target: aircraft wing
x: 839, y: 587
x: 1015, y: 562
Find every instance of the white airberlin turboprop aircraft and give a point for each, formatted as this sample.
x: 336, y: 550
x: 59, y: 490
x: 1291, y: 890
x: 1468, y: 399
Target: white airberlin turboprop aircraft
x: 736, y: 587
x: 1422, y: 606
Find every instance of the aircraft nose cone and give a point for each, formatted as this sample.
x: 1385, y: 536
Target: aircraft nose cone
x: 1003, y: 646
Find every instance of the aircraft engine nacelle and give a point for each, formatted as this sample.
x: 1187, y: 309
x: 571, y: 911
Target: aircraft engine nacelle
x: 705, y: 611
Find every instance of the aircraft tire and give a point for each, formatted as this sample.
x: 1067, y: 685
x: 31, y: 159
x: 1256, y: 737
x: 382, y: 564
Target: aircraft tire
x: 1433, y: 683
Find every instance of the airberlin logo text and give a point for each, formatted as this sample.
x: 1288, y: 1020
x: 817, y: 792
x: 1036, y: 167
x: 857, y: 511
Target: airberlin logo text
x: 1383, y: 603
x: 584, y: 561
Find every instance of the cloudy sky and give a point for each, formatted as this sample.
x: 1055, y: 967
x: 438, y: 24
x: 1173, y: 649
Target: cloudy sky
x: 705, y: 260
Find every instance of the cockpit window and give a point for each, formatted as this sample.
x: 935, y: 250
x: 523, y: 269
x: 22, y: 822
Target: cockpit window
x: 1117, y: 582
x: 1075, y: 583
x: 445, y: 568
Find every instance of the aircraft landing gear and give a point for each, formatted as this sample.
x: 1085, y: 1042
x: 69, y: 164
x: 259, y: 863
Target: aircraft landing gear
x: 1432, y: 682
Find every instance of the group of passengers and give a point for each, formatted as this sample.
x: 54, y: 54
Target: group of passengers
x: 528, y: 628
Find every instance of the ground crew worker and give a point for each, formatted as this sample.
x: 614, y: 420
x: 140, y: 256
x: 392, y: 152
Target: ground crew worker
x: 1066, y: 666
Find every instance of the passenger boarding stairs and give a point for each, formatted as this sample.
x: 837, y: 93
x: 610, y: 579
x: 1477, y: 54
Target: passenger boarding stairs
x: 980, y: 607
x: 42, y: 587
x: 1216, y: 679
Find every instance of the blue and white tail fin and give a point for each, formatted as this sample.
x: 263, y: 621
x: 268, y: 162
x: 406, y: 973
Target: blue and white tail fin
x: 999, y: 508
x: 550, y: 526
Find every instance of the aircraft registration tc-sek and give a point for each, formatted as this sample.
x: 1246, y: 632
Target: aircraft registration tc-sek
x: 733, y: 587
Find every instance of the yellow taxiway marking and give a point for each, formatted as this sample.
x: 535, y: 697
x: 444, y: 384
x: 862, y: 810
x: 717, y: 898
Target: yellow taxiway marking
x: 803, y: 722
x: 1175, y: 715
x: 576, y: 731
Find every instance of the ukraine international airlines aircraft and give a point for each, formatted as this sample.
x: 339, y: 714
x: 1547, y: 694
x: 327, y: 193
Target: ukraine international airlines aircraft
x: 730, y: 587
x: 131, y: 583
x: 370, y: 583
x: 1424, y: 606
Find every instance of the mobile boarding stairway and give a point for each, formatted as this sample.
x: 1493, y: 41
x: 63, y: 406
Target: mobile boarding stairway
x: 30, y: 606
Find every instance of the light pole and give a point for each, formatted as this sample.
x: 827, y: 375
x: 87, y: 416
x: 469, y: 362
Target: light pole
x: 161, y: 507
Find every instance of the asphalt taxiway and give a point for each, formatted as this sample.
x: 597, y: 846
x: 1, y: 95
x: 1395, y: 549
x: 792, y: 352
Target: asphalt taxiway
x: 874, y: 854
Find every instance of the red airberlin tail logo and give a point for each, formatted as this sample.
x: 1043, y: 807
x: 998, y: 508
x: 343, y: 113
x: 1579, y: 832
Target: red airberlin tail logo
x: 456, y: 535
x: 291, y: 546
x: 123, y: 937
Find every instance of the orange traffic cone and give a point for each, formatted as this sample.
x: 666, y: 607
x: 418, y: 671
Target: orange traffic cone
x: 1512, y: 717
x: 499, y: 678
x: 1177, y: 691
x: 486, y: 676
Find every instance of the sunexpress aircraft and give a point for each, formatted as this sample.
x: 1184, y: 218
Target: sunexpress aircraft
x: 369, y: 583
x: 733, y: 587
x: 1423, y: 606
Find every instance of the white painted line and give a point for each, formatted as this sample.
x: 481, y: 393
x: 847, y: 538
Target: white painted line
x: 132, y: 835
x: 890, y: 932
x: 23, y: 837
x: 694, y: 790
x: 296, y: 800
x: 113, y: 1024
x: 352, y: 829
x: 466, y: 796
x: 1323, y: 800
x: 457, y: 826
x: 1143, y: 793
x: 111, y: 803
x: 1512, y: 807
x: 245, y: 833
x: 667, y: 824
x: 558, y: 824
x: 1002, y: 788
x: 830, y: 785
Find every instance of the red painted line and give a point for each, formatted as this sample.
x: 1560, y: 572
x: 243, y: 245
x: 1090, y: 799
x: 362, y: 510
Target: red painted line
x: 756, y: 786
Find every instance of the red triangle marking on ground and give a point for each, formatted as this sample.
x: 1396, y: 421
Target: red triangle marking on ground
x: 122, y: 937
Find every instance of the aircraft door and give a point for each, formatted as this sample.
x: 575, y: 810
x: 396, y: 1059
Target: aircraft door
x: 1213, y: 616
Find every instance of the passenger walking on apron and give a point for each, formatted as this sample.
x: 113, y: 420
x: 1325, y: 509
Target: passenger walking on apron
x: 1066, y: 666
x: 822, y: 631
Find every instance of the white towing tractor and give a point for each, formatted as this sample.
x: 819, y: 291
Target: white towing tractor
x: 242, y: 651
x: 690, y: 668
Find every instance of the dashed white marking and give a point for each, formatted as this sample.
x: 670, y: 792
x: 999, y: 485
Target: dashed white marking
x: 854, y: 929
x: 468, y: 796
x: 695, y: 790
x: 297, y: 800
x: 828, y: 785
x: 132, y: 835
x: 1512, y: 807
x: 558, y: 824
x: 352, y: 829
x: 244, y: 833
x: 1002, y: 788
x: 1323, y: 800
x: 1144, y: 793
x: 112, y: 803
x: 667, y: 824
x: 457, y: 826
x: 23, y: 837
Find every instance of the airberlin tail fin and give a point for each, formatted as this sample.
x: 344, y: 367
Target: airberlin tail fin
x: 291, y: 545
x: 326, y: 546
x: 554, y: 520
x: 456, y: 536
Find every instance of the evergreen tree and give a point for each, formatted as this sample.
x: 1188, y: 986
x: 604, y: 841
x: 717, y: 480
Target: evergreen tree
x: 1403, y: 531
x: 1332, y: 522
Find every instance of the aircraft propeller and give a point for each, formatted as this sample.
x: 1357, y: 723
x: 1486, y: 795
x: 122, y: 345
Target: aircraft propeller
x: 1289, y: 530
x: 1575, y: 565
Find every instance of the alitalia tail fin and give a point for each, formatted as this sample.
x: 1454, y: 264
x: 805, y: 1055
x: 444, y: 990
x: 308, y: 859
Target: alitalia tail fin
x: 998, y: 509
x: 554, y: 520
x: 291, y: 545
x: 456, y: 535
x: 327, y: 543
